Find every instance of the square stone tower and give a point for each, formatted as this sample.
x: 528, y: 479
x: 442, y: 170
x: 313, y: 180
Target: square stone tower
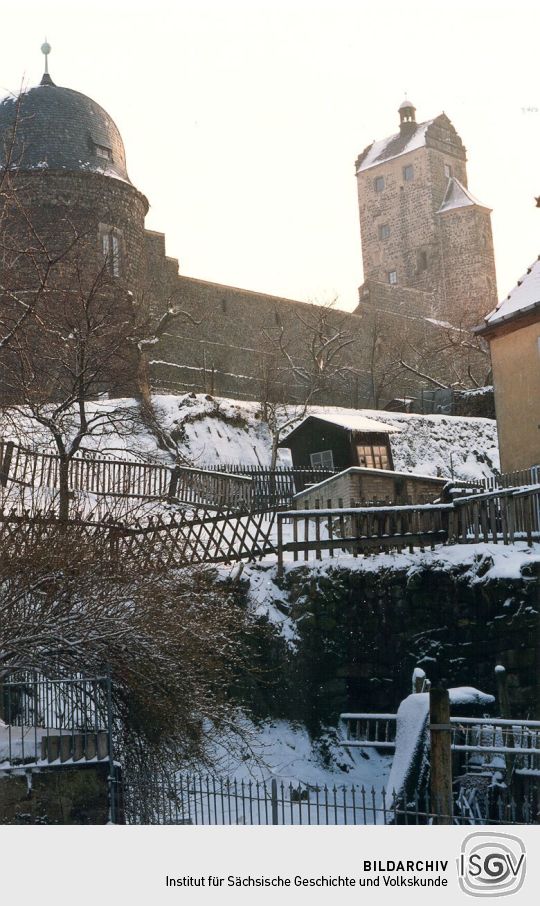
x: 421, y: 228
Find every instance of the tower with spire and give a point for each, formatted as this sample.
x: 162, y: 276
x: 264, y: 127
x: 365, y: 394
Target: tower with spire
x: 422, y: 230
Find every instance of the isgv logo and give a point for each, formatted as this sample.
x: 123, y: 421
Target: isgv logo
x: 491, y: 865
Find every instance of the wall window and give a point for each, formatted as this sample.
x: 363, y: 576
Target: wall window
x: 103, y: 151
x: 379, y: 183
x: 448, y: 171
x: 422, y: 261
x: 373, y: 456
x: 111, y: 247
x: 384, y: 231
x: 408, y: 173
x: 322, y: 460
x: 392, y: 277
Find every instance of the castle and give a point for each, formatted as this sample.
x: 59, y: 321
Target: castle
x: 421, y: 228
x: 426, y: 246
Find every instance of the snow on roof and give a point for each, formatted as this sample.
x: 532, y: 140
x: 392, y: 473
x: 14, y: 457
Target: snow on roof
x: 353, y: 422
x: 524, y: 296
x: 457, y: 196
x: 364, y: 470
x: 395, y: 146
x: 405, y: 104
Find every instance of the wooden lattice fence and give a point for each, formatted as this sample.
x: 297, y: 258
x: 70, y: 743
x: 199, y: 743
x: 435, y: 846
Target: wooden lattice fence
x: 185, y: 538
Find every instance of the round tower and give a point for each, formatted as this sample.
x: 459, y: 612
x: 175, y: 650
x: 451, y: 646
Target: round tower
x: 63, y: 157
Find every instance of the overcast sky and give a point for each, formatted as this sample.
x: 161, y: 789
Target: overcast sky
x: 242, y: 120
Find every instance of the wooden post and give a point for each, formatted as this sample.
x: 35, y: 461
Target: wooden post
x: 441, y: 756
x: 5, y: 464
x: 280, y: 544
x: 173, y: 484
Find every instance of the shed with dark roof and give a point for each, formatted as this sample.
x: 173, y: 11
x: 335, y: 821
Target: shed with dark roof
x: 340, y: 440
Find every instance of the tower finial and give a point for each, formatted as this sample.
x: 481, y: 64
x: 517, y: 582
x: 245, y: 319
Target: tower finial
x: 46, y: 49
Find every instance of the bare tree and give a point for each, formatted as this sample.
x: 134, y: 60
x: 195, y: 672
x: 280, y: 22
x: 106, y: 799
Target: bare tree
x: 309, y: 360
x: 145, y: 337
x: 67, y: 354
x: 173, y: 642
x: 402, y: 354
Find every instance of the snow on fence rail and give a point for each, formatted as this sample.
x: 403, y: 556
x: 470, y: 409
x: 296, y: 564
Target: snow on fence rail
x: 94, y: 474
x: 473, y: 736
x: 208, y: 800
x: 361, y: 530
x: 505, y: 515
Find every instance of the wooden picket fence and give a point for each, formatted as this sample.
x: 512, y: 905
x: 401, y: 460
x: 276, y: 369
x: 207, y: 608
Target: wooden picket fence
x: 503, y: 516
x: 204, y: 536
x: 519, y: 478
x: 275, y: 488
x: 94, y: 474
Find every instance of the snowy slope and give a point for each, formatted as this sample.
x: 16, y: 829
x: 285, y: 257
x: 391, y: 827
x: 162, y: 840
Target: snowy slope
x: 217, y: 431
x: 228, y: 431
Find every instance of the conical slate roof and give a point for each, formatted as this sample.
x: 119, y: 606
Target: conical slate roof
x: 59, y: 129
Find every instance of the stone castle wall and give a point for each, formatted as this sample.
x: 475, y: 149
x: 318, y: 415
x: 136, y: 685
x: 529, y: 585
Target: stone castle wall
x: 232, y: 350
x: 61, y: 205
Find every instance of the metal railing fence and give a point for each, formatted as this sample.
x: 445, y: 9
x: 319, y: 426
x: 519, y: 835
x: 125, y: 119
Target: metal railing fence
x: 478, y: 739
x: 66, y: 718
x: 208, y: 800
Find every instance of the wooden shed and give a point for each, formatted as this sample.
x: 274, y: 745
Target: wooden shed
x: 340, y: 441
x: 370, y: 487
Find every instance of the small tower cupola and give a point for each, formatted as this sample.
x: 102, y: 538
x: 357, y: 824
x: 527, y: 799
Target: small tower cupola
x: 407, y: 118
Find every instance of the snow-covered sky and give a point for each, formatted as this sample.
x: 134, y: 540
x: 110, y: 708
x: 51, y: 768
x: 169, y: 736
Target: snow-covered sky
x: 242, y: 119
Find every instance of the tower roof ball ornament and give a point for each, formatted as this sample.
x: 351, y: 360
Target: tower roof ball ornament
x: 45, y: 50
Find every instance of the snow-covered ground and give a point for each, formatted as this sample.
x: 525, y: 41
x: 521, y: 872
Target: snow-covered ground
x: 513, y: 561
x: 218, y: 431
x: 283, y: 751
x: 221, y: 432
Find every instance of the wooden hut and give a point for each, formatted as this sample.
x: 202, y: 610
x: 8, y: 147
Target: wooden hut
x: 336, y: 442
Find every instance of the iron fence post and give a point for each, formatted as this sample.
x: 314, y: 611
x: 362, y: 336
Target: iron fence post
x: 112, y: 771
x: 274, y: 797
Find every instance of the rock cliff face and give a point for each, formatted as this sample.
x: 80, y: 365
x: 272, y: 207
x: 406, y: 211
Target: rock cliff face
x: 351, y: 635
